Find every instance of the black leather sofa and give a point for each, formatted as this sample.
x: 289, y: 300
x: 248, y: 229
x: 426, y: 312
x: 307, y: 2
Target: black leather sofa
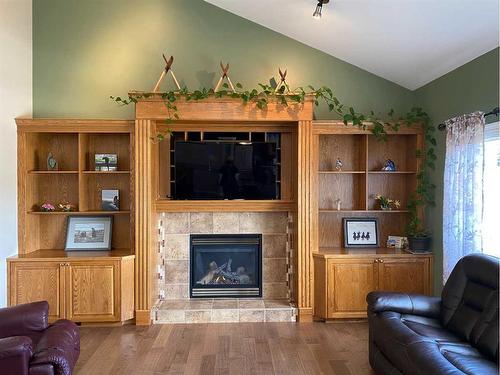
x: 454, y: 334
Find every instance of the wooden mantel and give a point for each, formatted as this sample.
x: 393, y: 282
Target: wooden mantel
x: 151, y: 112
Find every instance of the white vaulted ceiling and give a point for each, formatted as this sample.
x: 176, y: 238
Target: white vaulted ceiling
x: 409, y: 42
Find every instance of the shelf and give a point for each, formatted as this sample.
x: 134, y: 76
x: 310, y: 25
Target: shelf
x: 392, y: 172
x: 170, y: 205
x: 333, y: 252
x: 106, y: 172
x: 43, y: 254
x: 368, y: 211
x: 79, y: 213
x: 52, y: 172
x: 341, y: 172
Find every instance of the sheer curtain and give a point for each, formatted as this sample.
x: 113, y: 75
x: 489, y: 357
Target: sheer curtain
x: 463, y: 189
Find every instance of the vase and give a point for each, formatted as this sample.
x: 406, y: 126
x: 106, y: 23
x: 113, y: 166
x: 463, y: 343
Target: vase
x: 385, y: 208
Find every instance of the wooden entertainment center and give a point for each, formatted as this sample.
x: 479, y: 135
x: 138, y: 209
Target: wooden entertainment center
x: 119, y: 285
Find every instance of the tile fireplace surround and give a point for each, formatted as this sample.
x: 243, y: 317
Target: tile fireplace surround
x: 174, y: 305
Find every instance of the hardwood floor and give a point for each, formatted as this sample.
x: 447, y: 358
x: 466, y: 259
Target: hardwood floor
x: 235, y: 348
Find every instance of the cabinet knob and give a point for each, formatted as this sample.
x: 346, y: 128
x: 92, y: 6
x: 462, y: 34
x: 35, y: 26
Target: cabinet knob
x: 376, y: 260
x: 381, y: 260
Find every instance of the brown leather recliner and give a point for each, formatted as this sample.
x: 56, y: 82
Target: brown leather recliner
x: 30, y: 346
x: 454, y: 334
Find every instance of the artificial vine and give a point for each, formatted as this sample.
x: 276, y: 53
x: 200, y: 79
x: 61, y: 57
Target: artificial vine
x: 424, y: 194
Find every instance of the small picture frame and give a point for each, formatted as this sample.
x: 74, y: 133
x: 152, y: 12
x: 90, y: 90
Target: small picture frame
x: 89, y: 233
x: 360, y: 232
x: 110, y: 200
x: 106, y: 162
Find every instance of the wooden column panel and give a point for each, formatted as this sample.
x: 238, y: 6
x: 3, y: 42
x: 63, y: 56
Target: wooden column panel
x: 304, y: 216
x: 144, y: 225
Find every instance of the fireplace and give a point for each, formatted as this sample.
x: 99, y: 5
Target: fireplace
x: 225, y: 265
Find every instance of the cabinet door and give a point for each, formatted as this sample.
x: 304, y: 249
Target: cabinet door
x: 407, y: 275
x: 37, y: 281
x: 93, y: 291
x: 349, y: 281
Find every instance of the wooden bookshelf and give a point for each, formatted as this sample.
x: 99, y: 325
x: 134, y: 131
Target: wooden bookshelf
x: 75, y: 182
x: 91, y: 287
x: 360, y: 179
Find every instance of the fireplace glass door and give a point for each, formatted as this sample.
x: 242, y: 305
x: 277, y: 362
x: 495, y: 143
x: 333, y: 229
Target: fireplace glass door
x: 226, y: 266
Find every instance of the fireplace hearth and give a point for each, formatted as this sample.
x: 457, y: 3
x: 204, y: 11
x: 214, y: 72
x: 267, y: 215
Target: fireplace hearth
x: 225, y: 265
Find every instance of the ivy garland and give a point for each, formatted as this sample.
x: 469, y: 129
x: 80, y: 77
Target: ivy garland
x: 424, y: 193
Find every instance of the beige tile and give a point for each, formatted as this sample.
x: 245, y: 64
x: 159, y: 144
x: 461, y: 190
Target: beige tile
x: 201, y: 222
x: 274, y: 245
x: 198, y: 316
x: 277, y: 303
x: 199, y: 304
x: 274, y: 270
x: 170, y: 316
x: 251, y: 315
x: 177, y: 246
x: 251, y: 303
x: 275, y: 290
x: 176, y: 223
x: 279, y: 315
x: 173, y: 304
x: 225, y: 304
x: 225, y: 316
x: 263, y: 222
x: 176, y: 291
x: 176, y: 272
x: 226, y: 222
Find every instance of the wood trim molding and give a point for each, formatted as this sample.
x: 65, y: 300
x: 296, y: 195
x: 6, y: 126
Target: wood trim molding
x: 74, y: 125
x: 164, y: 205
x: 142, y: 317
x: 223, y: 109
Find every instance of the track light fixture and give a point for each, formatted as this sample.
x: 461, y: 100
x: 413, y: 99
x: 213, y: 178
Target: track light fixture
x: 319, y: 8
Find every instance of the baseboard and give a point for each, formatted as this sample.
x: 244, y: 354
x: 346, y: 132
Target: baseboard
x: 142, y: 317
x: 305, y: 314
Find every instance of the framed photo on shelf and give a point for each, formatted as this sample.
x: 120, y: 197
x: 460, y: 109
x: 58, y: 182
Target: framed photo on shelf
x: 110, y: 200
x: 106, y: 162
x: 89, y: 233
x: 360, y: 232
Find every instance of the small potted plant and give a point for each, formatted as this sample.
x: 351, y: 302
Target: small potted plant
x: 47, y: 207
x: 387, y: 204
x: 419, y: 239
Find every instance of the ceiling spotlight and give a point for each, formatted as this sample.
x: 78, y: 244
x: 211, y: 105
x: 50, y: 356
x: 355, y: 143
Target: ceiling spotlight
x: 319, y: 8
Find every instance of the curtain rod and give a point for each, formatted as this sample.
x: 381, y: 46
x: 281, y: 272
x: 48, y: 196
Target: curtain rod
x: 494, y: 111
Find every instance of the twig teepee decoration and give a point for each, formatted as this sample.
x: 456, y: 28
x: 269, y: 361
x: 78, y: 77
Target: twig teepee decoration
x: 224, y: 75
x: 282, y: 82
x: 168, y: 69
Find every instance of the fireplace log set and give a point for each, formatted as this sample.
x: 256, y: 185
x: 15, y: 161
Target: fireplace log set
x: 224, y: 275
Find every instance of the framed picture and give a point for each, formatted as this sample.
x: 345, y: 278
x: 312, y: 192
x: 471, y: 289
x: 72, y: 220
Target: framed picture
x: 360, y: 232
x: 89, y: 233
x: 106, y: 162
x: 110, y: 200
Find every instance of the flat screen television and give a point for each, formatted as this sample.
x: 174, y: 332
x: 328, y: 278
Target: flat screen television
x: 225, y: 170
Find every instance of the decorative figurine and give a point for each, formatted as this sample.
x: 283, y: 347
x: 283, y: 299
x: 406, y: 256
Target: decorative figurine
x: 338, y: 203
x: 338, y: 165
x: 47, y: 207
x: 51, y: 163
x: 389, y: 166
x: 66, y: 207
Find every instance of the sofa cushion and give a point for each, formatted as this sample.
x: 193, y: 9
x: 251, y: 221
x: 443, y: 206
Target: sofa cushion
x: 431, y: 357
x: 59, y: 346
x: 470, y: 303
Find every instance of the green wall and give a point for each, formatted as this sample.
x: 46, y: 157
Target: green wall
x: 84, y: 51
x: 472, y: 87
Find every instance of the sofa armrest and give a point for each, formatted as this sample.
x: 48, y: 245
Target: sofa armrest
x: 15, y: 354
x: 24, y: 320
x: 59, y: 346
x: 404, y: 303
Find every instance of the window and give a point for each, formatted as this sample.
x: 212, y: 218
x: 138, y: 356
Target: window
x: 491, y: 210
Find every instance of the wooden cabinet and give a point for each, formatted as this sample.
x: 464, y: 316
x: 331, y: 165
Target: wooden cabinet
x: 343, y: 278
x: 37, y: 281
x: 95, y: 289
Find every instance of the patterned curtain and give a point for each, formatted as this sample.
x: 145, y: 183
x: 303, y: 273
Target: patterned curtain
x: 463, y: 189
